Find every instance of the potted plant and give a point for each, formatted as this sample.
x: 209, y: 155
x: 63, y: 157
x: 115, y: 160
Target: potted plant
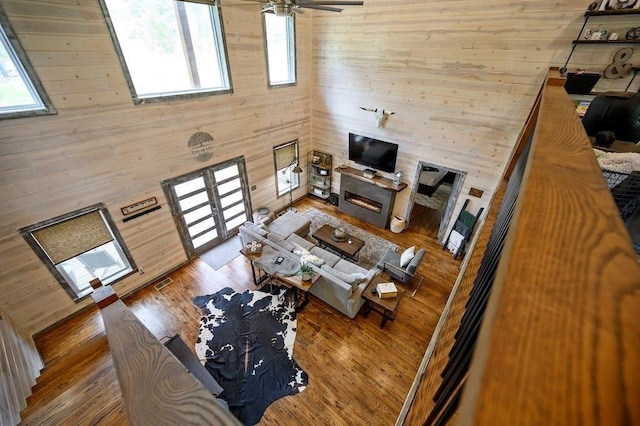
x: 306, y: 272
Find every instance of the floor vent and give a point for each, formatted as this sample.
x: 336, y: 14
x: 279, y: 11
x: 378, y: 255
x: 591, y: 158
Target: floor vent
x: 162, y: 284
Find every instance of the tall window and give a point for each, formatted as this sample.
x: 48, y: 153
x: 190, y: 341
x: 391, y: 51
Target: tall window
x: 168, y: 48
x: 281, y: 49
x: 286, y: 159
x: 21, y: 94
x: 79, y: 247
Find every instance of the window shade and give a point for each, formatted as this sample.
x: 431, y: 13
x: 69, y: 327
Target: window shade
x: 67, y: 239
x: 285, y: 155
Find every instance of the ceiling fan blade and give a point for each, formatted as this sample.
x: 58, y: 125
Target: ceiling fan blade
x: 330, y: 2
x: 297, y: 10
x: 320, y: 7
x: 207, y: 2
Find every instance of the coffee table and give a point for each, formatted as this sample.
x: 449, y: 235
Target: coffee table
x: 386, y: 307
x: 350, y: 247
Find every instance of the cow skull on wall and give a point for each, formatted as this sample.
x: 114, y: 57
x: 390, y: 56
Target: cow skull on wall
x: 381, y: 115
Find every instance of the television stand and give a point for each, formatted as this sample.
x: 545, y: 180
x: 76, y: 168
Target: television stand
x: 369, y: 173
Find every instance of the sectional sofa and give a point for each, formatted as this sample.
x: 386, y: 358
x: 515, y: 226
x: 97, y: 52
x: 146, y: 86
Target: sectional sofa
x: 340, y: 283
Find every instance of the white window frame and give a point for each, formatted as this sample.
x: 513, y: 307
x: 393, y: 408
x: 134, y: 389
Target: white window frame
x: 291, y: 51
x: 116, y: 249
x: 220, y: 43
x: 285, y: 173
x: 42, y: 105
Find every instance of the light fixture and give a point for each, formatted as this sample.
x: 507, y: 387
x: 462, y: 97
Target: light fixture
x: 296, y: 170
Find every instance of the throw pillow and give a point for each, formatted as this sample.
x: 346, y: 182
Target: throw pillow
x: 347, y: 278
x: 299, y: 250
x: 257, y: 228
x: 311, y: 258
x: 406, y: 256
x: 359, y: 277
x: 279, y: 240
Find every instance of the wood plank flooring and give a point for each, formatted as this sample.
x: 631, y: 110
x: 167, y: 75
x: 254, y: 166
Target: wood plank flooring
x: 358, y: 373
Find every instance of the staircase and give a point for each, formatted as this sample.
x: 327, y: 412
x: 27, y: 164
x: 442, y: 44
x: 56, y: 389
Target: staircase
x: 20, y: 364
x: 77, y: 386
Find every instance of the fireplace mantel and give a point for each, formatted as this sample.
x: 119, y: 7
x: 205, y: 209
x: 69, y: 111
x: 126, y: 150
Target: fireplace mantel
x: 379, y: 181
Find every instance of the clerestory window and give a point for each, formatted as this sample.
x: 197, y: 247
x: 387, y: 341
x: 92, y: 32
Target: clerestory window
x: 168, y: 49
x: 21, y: 93
x: 280, y: 49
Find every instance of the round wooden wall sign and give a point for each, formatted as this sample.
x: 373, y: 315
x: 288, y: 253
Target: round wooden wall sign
x: 201, y: 146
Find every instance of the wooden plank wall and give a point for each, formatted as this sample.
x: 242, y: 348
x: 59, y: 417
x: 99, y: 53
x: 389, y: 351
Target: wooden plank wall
x: 102, y: 148
x: 20, y: 365
x: 460, y: 76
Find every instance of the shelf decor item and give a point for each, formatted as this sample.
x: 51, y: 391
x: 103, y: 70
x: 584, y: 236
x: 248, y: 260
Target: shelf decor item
x: 253, y: 247
x: 339, y: 234
x: 386, y: 290
x: 397, y: 177
x: 306, y: 272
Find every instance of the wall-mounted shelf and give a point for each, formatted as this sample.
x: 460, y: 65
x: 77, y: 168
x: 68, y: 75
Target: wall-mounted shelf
x: 605, y: 41
x: 617, y: 12
x: 596, y: 13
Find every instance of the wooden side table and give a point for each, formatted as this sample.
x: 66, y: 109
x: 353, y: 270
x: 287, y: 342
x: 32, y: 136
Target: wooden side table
x: 295, y: 283
x: 386, y: 307
x: 259, y: 277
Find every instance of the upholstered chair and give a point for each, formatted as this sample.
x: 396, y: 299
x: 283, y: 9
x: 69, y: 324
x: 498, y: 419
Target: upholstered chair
x: 401, y: 266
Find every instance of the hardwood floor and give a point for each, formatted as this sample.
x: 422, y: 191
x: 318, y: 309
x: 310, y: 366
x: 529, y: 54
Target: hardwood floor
x: 358, y: 373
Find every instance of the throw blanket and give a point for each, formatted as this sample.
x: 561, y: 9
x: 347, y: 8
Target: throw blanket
x: 620, y: 162
x: 246, y: 342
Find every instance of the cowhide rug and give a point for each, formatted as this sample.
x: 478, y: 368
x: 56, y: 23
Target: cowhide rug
x: 246, y: 344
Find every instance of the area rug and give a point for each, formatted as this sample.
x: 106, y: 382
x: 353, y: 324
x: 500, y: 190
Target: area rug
x: 437, y: 200
x: 246, y: 344
x: 223, y: 253
x: 374, y: 247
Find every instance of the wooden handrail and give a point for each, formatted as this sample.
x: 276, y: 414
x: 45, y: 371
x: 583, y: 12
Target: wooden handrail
x: 559, y: 340
x: 156, y: 387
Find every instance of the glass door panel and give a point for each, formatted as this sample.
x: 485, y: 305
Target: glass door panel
x: 231, y: 192
x: 210, y: 204
x: 197, y: 213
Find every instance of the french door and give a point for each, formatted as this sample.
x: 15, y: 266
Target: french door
x: 209, y: 204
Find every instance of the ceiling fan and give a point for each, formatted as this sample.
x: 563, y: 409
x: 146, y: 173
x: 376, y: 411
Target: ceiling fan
x: 287, y: 7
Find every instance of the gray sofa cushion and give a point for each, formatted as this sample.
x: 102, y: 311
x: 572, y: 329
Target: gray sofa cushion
x: 279, y: 240
x: 347, y: 278
x: 329, y: 258
x: 298, y: 241
x: 290, y: 223
x: 258, y: 228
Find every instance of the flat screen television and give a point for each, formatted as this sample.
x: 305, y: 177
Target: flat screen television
x: 374, y: 153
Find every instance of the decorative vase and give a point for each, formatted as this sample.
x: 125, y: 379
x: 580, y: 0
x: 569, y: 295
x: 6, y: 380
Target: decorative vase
x: 340, y: 234
x: 306, y: 276
x: 397, y: 177
x: 397, y: 224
